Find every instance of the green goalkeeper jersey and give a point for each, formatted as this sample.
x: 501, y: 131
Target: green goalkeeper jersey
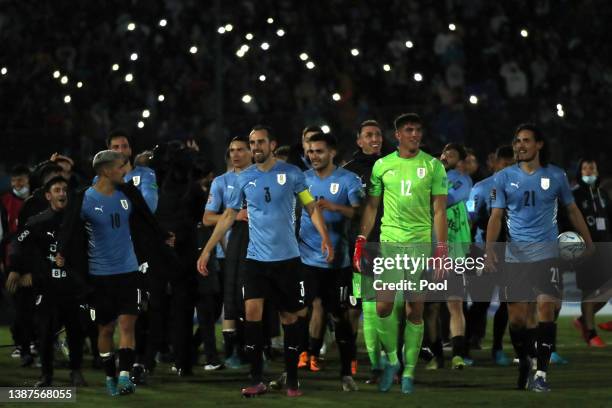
x: 408, y: 185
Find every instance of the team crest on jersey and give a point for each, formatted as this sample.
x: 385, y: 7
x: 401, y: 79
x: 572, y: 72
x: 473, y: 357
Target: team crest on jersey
x: 334, y: 187
x: 545, y: 183
x: 281, y: 178
x: 136, y: 180
x: 421, y: 172
x: 124, y: 204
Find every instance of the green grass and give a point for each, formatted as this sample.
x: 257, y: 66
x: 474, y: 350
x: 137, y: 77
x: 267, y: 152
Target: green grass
x: 586, y: 381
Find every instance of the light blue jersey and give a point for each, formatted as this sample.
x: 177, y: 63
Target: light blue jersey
x: 340, y: 187
x: 479, y: 206
x: 531, y: 202
x: 220, y: 191
x: 107, y: 222
x: 271, y: 199
x: 144, y: 180
x: 459, y: 186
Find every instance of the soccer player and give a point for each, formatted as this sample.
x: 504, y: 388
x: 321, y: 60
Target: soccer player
x: 297, y: 153
x: 106, y: 226
x: 220, y: 190
x: 412, y: 182
x: 57, y: 291
x: 273, y: 269
x: 479, y: 210
x: 338, y: 193
x: 370, y: 143
x: 529, y: 193
x: 592, y: 275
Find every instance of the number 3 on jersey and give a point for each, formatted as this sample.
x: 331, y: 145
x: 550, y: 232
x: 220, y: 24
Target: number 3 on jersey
x: 406, y: 184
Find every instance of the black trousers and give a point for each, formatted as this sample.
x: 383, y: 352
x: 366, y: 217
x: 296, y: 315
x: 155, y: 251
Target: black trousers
x: 182, y: 307
x: 153, y: 331
x: 51, y: 316
x: 23, y: 328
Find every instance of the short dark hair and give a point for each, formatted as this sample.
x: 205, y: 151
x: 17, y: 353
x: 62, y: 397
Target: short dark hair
x: 369, y: 122
x: 268, y: 130
x: 236, y: 139
x: 282, y: 151
x: 458, y: 148
x: 404, y: 118
x: 311, y: 128
x: 54, y: 180
x: 538, y: 135
x: 470, y: 152
x: 20, y: 170
x: 116, y: 133
x: 504, y: 152
x: 45, y: 171
x: 329, y: 140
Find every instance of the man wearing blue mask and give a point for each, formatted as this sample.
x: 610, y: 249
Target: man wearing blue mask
x: 591, y: 275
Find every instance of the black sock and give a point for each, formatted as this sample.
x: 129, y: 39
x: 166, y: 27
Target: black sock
x: 108, y: 362
x: 302, y: 324
x: 519, y: 339
x: 500, y: 321
x: 530, y: 344
x: 126, y: 359
x: 458, y: 343
x: 546, y: 338
x: 354, y: 344
x: 253, y: 339
x: 554, y: 340
x: 344, y: 339
x: 292, y: 334
x: 229, y: 342
x: 437, y: 348
x: 314, y: 348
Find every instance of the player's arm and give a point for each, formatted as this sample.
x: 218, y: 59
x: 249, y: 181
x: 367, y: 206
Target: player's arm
x: 577, y: 220
x: 149, y: 190
x: 214, y: 205
x: 493, y: 230
x: 318, y: 221
x: 458, y: 191
x: 368, y: 216
x: 439, y: 218
x: 223, y: 225
x: 211, y: 218
x: 346, y: 210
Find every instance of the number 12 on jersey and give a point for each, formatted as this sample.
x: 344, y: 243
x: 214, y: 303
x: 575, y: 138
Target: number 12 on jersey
x: 406, y: 184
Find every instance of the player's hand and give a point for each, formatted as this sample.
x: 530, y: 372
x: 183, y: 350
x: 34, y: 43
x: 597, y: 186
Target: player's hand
x: 589, y: 251
x: 12, y: 282
x: 327, y: 249
x: 171, y: 239
x: 323, y: 204
x: 440, y: 255
x: 359, y: 244
x: 242, y: 215
x: 59, y: 260
x: 193, y: 145
x: 202, y: 262
x: 26, y: 280
x: 491, y: 260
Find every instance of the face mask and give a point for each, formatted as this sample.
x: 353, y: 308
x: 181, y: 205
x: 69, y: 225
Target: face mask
x: 23, y: 192
x: 590, y: 180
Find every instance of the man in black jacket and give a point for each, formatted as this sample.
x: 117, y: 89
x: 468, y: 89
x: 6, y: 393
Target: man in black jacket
x: 108, y: 232
x: 58, y: 292
x: 594, y: 275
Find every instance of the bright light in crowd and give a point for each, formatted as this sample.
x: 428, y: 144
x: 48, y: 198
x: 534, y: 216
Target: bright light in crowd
x: 79, y: 84
x: 146, y: 113
x: 56, y: 74
x: 249, y: 36
x: 193, y: 49
x: 325, y: 129
x: 310, y: 65
x: 560, y: 113
x: 280, y: 32
x: 140, y: 124
x: 418, y: 77
x: 354, y: 52
x: 473, y: 99
x: 134, y: 56
x: 264, y: 46
x: 131, y: 27
x: 409, y: 44
x: 270, y: 20
x: 129, y: 77
x: 163, y: 22
x: 115, y: 67
x: 64, y: 80
x: 161, y: 97
x: 336, y: 97
x: 524, y: 33
x: 3, y: 70
x: 303, y: 56
x: 452, y: 27
x: 559, y: 106
x: 387, y: 67
x: 247, y: 98
x: 67, y: 99
x: 262, y: 78
x: 229, y: 27
x: 221, y: 30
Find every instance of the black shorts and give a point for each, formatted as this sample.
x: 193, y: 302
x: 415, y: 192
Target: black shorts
x: 115, y: 295
x: 457, y: 285
x: 234, y: 270
x: 279, y: 282
x: 332, y: 286
x: 525, y: 281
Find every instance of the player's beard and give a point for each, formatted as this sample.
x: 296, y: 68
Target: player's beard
x: 260, y: 158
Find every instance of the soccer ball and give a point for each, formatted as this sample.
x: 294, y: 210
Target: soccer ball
x: 571, y: 245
